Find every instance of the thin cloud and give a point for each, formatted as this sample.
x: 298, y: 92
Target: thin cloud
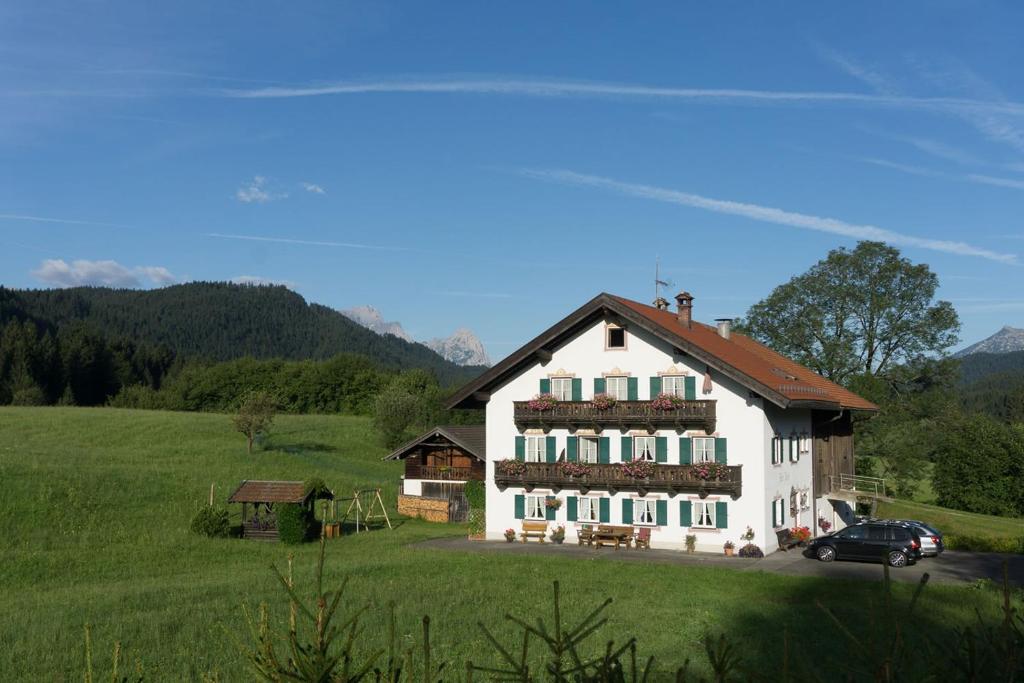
x: 314, y: 188
x: 259, y: 281
x: 66, y: 221
x: 312, y: 243
x: 256, y: 191
x: 81, y: 272
x: 976, y: 178
x: 768, y: 214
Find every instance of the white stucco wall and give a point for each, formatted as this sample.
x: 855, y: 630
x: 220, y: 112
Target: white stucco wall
x: 780, y: 479
x: 741, y: 419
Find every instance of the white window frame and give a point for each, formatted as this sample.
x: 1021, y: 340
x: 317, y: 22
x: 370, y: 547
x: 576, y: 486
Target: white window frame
x: 620, y: 381
x: 534, y: 503
x: 805, y: 444
x: 652, y: 451
x: 592, y: 505
x: 778, y: 452
x: 561, y: 388
x: 673, y: 384
x: 703, y: 449
x: 794, y: 447
x: 608, y: 338
x: 590, y: 451
x: 779, y: 510
x: 703, y: 514
x: 644, y: 509
x: 536, y: 448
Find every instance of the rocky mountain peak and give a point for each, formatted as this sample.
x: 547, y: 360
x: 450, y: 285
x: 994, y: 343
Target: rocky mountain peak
x: 1006, y: 340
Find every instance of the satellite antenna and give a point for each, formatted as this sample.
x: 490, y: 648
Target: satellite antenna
x: 658, y: 282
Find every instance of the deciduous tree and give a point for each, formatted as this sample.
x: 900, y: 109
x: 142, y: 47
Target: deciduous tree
x: 255, y: 415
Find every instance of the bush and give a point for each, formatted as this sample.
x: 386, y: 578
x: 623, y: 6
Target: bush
x: 476, y: 495
x: 294, y: 523
x: 138, y: 396
x: 750, y: 550
x: 29, y: 396
x: 211, y: 522
x: 318, y: 487
x: 477, y: 522
x: 983, y: 544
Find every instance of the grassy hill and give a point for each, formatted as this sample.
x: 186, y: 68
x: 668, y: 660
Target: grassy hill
x: 94, y: 517
x: 953, y: 522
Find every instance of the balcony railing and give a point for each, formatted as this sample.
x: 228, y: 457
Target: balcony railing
x: 671, y: 478
x: 624, y: 414
x: 443, y: 473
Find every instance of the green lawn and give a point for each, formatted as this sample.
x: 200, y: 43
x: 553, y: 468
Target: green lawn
x: 94, y: 513
x: 953, y: 521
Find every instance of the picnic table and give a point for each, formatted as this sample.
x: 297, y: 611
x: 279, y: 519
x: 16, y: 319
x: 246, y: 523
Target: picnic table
x: 613, y: 535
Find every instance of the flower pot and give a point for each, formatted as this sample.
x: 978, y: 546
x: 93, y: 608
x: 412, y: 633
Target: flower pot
x: 476, y: 537
x: 729, y: 552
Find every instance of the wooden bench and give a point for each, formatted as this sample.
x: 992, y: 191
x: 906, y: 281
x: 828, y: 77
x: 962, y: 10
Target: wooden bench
x: 608, y: 534
x: 786, y: 539
x: 534, y: 529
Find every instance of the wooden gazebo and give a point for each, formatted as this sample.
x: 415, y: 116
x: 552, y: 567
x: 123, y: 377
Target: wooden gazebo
x: 259, y: 498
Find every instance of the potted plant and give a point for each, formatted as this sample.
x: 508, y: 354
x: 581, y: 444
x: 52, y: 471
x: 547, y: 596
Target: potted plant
x: 542, y: 402
x: 558, y: 535
x: 510, y: 535
x: 709, y: 470
x: 553, y: 503
x: 729, y: 547
x: 638, y: 469
x: 666, y: 402
x: 747, y: 535
x: 691, y: 542
x: 802, y: 534
x: 603, y: 401
x: 510, y: 467
x: 574, y: 469
x: 750, y: 550
x: 824, y: 524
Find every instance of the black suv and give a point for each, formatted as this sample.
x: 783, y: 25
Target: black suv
x: 896, y: 544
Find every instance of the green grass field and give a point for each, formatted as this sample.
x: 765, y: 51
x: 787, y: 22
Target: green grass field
x: 953, y: 521
x: 94, y: 513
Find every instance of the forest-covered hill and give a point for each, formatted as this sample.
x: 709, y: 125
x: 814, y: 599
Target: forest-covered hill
x: 219, y: 321
x: 993, y: 383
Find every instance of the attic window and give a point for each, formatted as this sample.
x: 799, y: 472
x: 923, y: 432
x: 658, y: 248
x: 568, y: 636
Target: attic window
x: 615, y: 337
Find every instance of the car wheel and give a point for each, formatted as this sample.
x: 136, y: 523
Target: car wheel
x: 826, y: 553
x: 897, y: 558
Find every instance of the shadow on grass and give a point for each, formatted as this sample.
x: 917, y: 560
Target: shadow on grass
x: 298, y: 448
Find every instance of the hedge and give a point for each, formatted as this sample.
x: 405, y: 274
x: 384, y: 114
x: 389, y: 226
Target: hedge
x: 984, y: 544
x: 294, y: 523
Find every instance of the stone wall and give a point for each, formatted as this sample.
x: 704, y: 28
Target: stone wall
x: 430, y: 509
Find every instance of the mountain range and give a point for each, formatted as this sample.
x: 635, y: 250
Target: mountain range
x: 462, y: 347
x: 1006, y: 340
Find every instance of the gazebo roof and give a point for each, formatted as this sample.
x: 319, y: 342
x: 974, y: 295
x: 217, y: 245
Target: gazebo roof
x: 251, y: 491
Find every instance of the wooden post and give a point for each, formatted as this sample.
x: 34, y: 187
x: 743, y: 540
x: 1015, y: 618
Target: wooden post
x: 291, y: 584
x: 211, y: 495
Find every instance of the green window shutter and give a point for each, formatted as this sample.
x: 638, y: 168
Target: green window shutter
x: 661, y: 512
x: 577, y: 389
x: 685, y: 450
x: 627, y: 449
x: 570, y: 508
x: 721, y: 515
x: 550, y: 449
x: 549, y: 512
x: 655, y: 386
x: 775, y: 515
x: 721, y: 451
x: 782, y: 513
x: 520, y: 448
x: 604, y: 450
x: 627, y: 511
x: 545, y: 386
x: 685, y: 513
x: 661, y: 448
x: 792, y: 450
x: 604, y: 510
x: 599, y: 385
x: 690, y: 388
x: 572, y: 445
x: 520, y: 507
x: 632, y: 389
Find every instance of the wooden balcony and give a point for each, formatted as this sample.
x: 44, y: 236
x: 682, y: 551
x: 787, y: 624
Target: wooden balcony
x: 623, y: 415
x: 444, y: 473
x: 612, y: 478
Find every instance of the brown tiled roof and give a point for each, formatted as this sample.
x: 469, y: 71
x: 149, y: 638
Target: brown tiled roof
x: 269, y: 492
x: 470, y: 438
x: 755, y: 366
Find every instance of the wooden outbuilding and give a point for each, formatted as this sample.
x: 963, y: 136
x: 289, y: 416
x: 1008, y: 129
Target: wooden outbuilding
x: 259, y: 500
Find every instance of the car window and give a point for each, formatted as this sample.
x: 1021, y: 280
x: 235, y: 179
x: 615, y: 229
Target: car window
x: 855, y: 532
x: 876, y: 533
x: 901, y: 534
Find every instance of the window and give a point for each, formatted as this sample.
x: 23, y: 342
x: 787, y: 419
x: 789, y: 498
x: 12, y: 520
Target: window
x: 778, y: 454
x: 615, y: 337
x: 778, y: 512
x: 588, y: 449
x: 805, y: 443
x: 617, y: 387
x: 643, y: 448
x: 589, y: 510
x: 644, y: 511
x: 561, y: 388
x: 704, y: 514
x: 535, y: 448
x: 856, y: 533
x: 794, y: 448
x: 876, y: 533
x: 535, y: 508
x: 703, y: 449
x: 673, y: 384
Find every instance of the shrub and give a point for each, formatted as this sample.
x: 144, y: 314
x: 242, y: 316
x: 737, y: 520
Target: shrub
x: 477, y: 522
x: 211, y: 521
x: 29, y: 396
x: 318, y: 488
x: 138, y: 396
x: 476, y: 495
x: 294, y: 523
x: 750, y: 550
x: 983, y: 544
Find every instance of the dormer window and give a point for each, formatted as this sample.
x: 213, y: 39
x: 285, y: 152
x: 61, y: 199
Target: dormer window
x: 615, y: 337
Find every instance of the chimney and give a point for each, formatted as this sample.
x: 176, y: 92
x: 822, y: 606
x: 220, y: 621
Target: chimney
x: 724, y: 327
x: 661, y: 303
x: 684, y: 308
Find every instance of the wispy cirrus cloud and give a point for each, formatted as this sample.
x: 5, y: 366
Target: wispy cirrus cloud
x: 311, y: 243
x: 257, y: 191
x: 82, y: 272
x: 314, y: 188
x: 66, y: 221
x: 768, y: 214
x: 977, y: 178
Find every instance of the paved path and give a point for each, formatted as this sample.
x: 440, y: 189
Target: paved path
x: 950, y: 567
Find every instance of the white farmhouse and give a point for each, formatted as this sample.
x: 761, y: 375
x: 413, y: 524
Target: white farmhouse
x: 664, y: 422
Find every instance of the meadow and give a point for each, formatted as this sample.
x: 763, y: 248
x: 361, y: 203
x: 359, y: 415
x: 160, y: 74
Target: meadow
x: 94, y: 516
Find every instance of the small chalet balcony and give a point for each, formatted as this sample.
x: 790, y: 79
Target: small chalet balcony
x: 622, y: 415
x: 700, y: 479
x: 442, y: 473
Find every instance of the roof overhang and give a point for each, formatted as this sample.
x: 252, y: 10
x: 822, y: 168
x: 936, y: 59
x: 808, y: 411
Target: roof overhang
x: 403, y: 451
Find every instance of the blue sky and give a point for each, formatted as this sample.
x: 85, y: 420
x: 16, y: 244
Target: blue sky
x: 470, y: 164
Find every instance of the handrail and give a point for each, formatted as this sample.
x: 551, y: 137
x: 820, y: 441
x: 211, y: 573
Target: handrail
x: 857, y: 483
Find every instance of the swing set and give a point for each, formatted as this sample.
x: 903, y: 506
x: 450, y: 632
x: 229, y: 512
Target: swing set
x: 373, y: 510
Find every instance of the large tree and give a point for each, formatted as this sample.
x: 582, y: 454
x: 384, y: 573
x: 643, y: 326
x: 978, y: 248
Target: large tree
x: 857, y: 312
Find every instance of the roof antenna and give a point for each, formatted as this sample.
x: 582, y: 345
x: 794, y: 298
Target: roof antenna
x: 660, y: 302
